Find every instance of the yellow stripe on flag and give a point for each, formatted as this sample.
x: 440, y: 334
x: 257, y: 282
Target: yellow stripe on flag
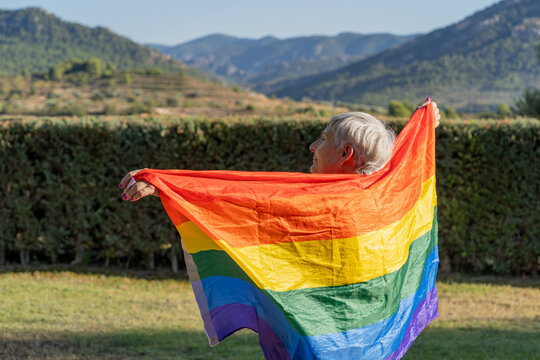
x: 331, y: 262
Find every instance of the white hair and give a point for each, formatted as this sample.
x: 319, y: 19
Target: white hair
x: 371, y: 140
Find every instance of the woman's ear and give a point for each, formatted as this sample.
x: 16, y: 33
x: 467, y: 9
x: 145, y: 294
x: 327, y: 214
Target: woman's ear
x: 347, y: 154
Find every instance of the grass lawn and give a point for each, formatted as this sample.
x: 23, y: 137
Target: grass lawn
x: 67, y: 315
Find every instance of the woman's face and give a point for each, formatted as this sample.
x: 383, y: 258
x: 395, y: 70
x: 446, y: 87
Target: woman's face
x: 326, y: 156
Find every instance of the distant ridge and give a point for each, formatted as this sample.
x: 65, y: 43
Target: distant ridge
x: 253, y: 61
x: 33, y: 39
x: 474, y: 64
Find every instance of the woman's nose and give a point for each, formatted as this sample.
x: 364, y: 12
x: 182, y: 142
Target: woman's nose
x: 314, y: 145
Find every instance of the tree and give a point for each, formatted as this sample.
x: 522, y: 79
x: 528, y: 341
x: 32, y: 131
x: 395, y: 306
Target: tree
x: 451, y: 113
x: 81, y: 71
x: 57, y: 72
x: 529, y: 104
x: 110, y: 70
x: 503, y: 110
x: 94, y: 68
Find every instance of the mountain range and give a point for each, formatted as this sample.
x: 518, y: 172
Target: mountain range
x: 483, y: 60
x: 475, y: 64
x: 33, y: 39
x: 255, y: 61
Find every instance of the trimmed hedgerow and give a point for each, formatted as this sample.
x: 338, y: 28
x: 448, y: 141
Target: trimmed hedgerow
x: 488, y: 184
x: 62, y: 204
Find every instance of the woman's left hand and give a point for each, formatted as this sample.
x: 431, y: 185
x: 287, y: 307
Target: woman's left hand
x: 137, y: 190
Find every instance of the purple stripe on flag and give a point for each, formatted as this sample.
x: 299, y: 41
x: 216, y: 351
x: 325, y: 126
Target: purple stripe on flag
x: 426, y: 312
x: 232, y: 317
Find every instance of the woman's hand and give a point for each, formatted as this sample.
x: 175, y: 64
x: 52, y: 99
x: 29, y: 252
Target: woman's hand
x: 435, y: 110
x: 138, y: 189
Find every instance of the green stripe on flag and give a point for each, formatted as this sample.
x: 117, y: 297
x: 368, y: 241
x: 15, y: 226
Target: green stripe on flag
x: 335, y: 309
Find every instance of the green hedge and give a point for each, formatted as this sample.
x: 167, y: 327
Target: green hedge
x: 488, y: 185
x: 62, y: 204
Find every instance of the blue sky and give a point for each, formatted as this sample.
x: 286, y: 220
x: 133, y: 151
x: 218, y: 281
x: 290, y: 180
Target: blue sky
x: 175, y: 21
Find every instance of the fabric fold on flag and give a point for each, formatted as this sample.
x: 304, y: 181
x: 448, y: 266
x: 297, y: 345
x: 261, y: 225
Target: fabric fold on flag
x: 321, y: 266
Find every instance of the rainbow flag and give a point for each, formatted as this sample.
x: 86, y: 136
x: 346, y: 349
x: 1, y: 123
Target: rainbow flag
x: 321, y: 266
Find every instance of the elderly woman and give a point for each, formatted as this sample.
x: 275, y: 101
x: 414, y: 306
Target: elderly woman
x: 352, y: 142
x: 268, y: 251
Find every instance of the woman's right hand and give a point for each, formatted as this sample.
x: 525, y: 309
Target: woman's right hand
x: 137, y: 190
x: 436, y: 113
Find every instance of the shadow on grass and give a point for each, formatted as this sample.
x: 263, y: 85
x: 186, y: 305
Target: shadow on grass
x: 475, y: 344
x: 156, y: 274
x: 523, y: 282
x: 132, y: 344
x: 455, y: 344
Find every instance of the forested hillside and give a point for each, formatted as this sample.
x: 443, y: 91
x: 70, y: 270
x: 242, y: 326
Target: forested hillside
x: 255, y: 61
x: 486, y: 59
x: 33, y: 39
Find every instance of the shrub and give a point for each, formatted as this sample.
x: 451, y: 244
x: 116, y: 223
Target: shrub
x: 97, y: 96
x: 307, y: 110
x: 112, y: 92
x: 213, y: 104
x: 52, y: 108
x: 80, y: 78
x: 140, y: 108
x: 33, y: 89
x: 486, y: 115
x: 15, y: 93
x: 127, y: 78
x: 110, y: 109
x: 193, y: 95
x: 396, y: 108
x: 6, y: 109
x: 325, y: 113
x: 173, y: 102
x: 75, y: 109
